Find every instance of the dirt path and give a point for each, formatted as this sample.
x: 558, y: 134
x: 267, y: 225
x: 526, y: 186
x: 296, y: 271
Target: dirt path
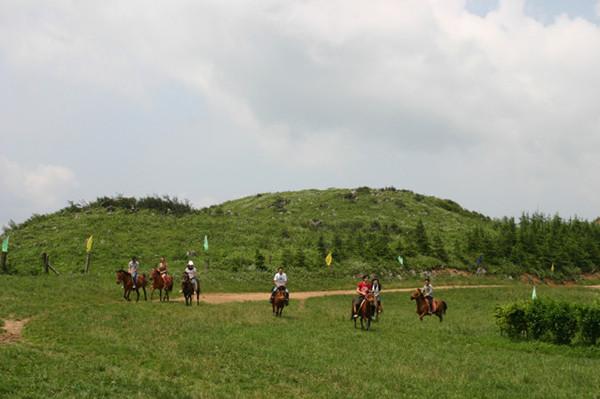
x: 302, y: 296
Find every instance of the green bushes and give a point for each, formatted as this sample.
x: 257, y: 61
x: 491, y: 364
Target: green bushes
x: 550, y: 321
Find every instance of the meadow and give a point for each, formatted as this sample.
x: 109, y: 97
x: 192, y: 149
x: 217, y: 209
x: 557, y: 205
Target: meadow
x: 83, y: 340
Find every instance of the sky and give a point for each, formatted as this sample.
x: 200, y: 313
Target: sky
x: 492, y: 104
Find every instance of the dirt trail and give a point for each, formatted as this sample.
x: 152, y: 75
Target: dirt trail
x: 302, y: 296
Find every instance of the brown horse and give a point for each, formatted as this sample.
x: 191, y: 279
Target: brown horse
x: 364, y: 311
x: 124, y: 277
x: 279, y: 302
x: 187, y: 287
x: 158, y: 283
x: 439, y: 307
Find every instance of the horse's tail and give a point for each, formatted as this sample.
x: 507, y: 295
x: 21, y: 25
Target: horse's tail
x: 445, y: 306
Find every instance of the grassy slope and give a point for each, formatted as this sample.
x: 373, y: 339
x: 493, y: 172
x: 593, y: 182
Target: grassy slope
x: 276, y: 224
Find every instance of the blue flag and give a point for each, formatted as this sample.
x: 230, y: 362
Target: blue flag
x: 480, y: 259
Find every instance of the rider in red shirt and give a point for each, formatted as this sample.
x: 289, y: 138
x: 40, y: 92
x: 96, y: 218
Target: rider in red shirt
x: 362, y: 289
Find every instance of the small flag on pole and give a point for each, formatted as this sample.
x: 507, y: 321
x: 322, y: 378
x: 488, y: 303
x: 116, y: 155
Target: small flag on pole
x: 480, y: 259
x: 89, y: 243
x: 205, y: 243
x: 328, y: 259
x: 5, y: 245
x: 552, y: 268
x: 533, y: 295
x: 400, y: 260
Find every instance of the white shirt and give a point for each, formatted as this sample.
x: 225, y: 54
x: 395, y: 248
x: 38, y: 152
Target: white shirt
x: 280, y: 279
x: 191, y: 272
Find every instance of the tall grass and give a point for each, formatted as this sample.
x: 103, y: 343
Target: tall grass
x: 83, y: 340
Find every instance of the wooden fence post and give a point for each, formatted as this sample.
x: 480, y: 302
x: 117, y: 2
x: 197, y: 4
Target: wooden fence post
x: 3, y: 262
x: 87, y: 263
x: 45, y: 261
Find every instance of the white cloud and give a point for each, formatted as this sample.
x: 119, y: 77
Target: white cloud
x: 43, y: 188
x: 312, y: 84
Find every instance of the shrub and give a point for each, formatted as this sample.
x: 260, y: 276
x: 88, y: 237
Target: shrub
x: 551, y: 321
x: 512, y: 320
x: 589, y: 323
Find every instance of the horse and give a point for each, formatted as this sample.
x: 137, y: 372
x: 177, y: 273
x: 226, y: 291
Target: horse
x: 365, y: 311
x: 125, y: 277
x: 187, y: 287
x: 279, y: 302
x: 158, y: 283
x: 440, y: 307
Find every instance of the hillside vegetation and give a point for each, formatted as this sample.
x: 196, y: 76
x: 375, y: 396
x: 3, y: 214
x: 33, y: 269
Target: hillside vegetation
x: 364, y: 229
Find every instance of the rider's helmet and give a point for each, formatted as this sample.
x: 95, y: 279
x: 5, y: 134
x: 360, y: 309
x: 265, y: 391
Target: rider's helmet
x: 190, y: 263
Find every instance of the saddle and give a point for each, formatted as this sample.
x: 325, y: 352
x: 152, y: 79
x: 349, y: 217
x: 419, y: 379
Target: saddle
x: 433, y: 306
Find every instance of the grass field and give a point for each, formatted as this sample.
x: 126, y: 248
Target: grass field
x: 83, y: 340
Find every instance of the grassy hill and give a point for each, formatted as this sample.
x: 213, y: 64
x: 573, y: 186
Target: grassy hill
x: 365, y: 229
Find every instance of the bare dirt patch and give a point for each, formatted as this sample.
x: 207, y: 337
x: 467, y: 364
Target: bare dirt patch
x: 12, y: 331
x: 302, y: 296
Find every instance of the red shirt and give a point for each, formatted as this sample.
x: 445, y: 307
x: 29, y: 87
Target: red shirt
x: 364, y: 287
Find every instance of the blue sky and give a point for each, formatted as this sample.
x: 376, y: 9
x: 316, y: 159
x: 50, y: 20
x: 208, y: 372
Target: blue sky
x: 492, y: 104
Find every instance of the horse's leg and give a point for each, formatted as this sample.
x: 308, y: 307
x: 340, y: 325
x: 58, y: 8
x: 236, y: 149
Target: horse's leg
x: 152, y: 294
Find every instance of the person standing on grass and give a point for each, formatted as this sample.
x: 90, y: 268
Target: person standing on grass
x: 134, y: 265
x: 280, y: 280
x: 363, y: 288
x: 428, y: 294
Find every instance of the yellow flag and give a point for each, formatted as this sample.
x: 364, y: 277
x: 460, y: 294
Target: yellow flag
x: 328, y: 259
x: 552, y: 268
x: 89, y: 243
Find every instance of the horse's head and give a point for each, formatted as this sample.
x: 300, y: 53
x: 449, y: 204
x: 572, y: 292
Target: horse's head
x: 185, y: 277
x: 370, y: 296
x: 416, y: 294
x: 153, y: 273
x: 120, y: 276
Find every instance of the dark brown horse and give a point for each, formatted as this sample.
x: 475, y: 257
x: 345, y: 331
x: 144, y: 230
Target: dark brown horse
x: 187, y: 287
x: 364, y: 310
x: 159, y: 283
x: 124, y: 277
x: 279, y: 302
x: 439, y: 307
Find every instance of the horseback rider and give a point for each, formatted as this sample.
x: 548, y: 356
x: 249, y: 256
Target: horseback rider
x: 363, y: 288
x: 191, y: 271
x: 428, y: 294
x: 376, y: 288
x: 280, y: 281
x: 134, y: 265
x: 163, y: 269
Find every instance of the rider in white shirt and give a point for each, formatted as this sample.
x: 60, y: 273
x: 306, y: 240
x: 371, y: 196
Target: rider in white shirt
x: 280, y: 280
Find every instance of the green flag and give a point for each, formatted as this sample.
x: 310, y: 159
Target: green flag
x: 400, y: 260
x: 205, y: 243
x: 533, y: 295
x: 5, y: 245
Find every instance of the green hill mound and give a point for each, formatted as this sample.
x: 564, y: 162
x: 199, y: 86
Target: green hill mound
x: 364, y: 229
